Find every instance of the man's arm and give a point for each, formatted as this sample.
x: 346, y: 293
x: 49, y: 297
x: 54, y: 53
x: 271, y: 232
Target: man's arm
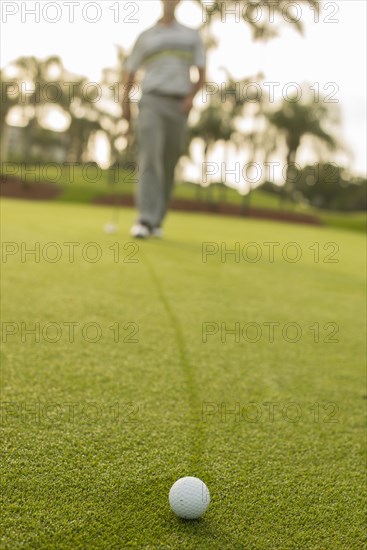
x: 188, y: 101
x: 199, y: 84
x: 129, y: 82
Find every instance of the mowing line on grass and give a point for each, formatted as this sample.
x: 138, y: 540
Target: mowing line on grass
x: 194, y: 402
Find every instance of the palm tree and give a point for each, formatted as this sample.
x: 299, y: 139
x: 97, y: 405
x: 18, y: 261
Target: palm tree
x: 81, y: 109
x: 114, y: 125
x: 8, y: 101
x: 251, y: 107
x: 221, y: 121
x: 215, y: 124
x: 295, y: 120
x: 29, y: 71
x: 256, y: 14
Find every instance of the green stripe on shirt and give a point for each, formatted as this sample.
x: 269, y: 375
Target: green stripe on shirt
x: 167, y: 53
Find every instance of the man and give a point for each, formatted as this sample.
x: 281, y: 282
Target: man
x: 166, y: 51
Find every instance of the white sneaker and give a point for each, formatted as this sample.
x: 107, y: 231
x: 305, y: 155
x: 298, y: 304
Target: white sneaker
x: 139, y: 231
x: 157, y: 232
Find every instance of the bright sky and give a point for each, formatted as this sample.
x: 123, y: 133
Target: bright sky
x: 330, y: 55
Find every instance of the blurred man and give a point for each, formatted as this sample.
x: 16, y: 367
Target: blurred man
x: 166, y: 52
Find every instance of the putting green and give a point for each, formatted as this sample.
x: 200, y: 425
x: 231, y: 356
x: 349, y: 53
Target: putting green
x: 126, y: 366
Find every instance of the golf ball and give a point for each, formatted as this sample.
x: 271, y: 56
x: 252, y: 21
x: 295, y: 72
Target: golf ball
x: 110, y: 228
x: 189, y: 497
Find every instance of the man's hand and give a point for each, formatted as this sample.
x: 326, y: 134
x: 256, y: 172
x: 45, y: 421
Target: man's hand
x: 188, y: 101
x: 126, y: 106
x: 187, y: 104
x: 126, y: 110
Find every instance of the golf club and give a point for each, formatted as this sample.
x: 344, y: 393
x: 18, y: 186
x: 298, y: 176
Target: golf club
x: 111, y: 227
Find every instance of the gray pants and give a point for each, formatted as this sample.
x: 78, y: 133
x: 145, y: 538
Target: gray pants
x: 161, y: 129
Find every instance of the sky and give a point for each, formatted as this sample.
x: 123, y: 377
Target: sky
x: 330, y: 56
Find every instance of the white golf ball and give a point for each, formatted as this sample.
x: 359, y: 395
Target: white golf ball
x: 189, y: 497
x: 110, y: 228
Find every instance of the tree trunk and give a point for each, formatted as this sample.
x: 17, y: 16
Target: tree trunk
x: 245, y: 204
x: 208, y: 187
x: 223, y: 191
x: 4, y: 142
x: 286, y: 192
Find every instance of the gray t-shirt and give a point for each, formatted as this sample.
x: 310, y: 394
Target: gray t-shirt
x: 166, y: 53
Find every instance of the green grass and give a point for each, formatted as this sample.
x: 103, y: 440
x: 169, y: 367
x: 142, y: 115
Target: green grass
x: 94, y: 434
x: 83, y: 185
x: 352, y: 221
